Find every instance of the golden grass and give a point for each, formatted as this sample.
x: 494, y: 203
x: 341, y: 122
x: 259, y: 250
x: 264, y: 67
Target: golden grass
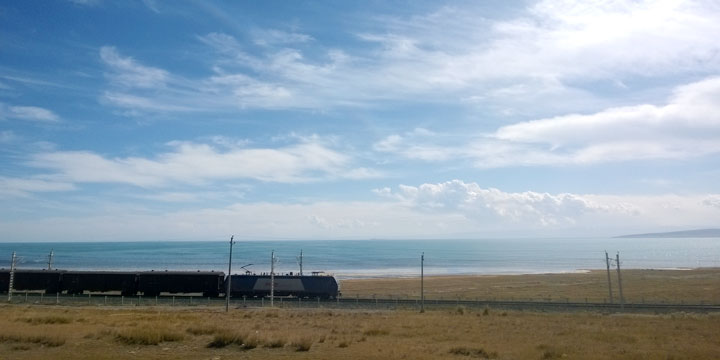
x: 147, y: 336
x: 689, y: 286
x: 205, y: 333
x: 46, y: 320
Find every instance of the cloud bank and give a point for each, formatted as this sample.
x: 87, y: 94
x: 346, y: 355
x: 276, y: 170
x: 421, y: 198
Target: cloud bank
x: 686, y: 127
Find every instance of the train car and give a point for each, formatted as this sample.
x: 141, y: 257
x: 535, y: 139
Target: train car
x: 76, y: 282
x: 4, y: 281
x: 316, y: 286
x: 209, y: 283
x: 30, y: 280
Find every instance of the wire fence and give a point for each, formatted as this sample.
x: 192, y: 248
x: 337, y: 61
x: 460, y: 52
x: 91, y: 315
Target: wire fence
x: 357, y: 303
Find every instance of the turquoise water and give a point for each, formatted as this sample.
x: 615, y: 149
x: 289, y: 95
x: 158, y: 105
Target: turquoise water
x: 374, y: 258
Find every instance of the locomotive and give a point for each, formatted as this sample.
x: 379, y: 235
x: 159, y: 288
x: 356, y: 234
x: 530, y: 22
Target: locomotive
x: 154, y: 283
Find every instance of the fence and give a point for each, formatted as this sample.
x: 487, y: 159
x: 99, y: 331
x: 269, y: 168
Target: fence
x: 32, y: 298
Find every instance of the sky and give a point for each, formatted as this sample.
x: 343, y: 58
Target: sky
x: 193, y: 120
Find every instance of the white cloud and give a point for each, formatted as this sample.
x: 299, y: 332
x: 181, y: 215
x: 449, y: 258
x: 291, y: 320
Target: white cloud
x: 687, y: 126
x: 712, y: 200
x: 85, y: 2
x: 129, y: 73
x: 454, y: 209
x: 489, y: 203
x: 24, y: 187
x: 420, y: 144
x: 197, y: 163
x: 456, y: 55
x: 30, y: 113
x: 267, y: 37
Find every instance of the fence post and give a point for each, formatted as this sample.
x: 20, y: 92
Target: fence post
x: 105, y: 299
x: 173, y: 301
x: 122, y: 299
x: 57, y: 298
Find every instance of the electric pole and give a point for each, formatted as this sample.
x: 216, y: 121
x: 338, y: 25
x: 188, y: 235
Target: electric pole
x: 12, y: 276
x: 622, y: 299
x: 422, y: 282
x: 272, y: 279
x: 227, y: 291
x: 607, y: 262
x: 50, y: 259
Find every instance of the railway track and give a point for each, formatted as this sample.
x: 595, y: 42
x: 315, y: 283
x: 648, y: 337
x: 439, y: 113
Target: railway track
x: 544, y: 305
x: 360, y: 303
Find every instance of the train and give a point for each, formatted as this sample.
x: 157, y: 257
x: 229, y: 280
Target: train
x: 155, y: 283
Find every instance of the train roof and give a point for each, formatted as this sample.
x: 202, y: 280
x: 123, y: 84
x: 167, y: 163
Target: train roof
x: 198, y: 272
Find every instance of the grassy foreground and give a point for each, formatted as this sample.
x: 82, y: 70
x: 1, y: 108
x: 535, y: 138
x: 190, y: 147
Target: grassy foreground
x: 157, y: 332
x: 47, y: 332
x: 689, y: 286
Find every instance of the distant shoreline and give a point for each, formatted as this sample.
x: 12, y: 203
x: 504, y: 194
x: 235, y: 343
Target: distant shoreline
x: 345, y: 277
x: 700, y: 233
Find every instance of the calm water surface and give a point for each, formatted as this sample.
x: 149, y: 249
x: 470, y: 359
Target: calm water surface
x: 374, y: 258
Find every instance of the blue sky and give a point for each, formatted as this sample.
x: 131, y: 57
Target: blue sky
x: 169, y: 120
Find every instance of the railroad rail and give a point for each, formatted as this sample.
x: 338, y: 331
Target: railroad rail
x: 358, y: 303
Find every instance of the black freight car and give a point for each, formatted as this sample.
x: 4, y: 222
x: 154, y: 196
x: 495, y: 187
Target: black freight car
x: 316, y: 286
x: 47, y: 280
x: 152, y: 283
x: 76, y: 282
x: 4, y: 281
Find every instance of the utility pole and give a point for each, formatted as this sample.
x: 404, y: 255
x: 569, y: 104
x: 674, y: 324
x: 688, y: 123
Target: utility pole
x: 272, y: 279
x: 229, y: 277
x: 422, y: 282
x: 622, y: 299
x: 12, y: 276
x: 607, y: 262
x: 50, y: 259
x: 301, y: 259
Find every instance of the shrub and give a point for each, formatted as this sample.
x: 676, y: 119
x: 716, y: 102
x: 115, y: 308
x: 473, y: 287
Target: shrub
x: 250, y: 343
x: 375, y: 332
x: 224, y: 339
x: 302, y: 344
x: 147, y: 336
x: 274, y: 343
x: 549, y: 352
x: 203, y: 330
x: 49, y: 341
x: 46, y: 320
x: 477, y: 353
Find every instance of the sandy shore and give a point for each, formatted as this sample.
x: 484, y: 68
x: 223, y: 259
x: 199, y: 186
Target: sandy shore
x: 690, y: 286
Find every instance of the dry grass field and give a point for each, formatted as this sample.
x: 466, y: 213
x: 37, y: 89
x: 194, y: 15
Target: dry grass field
x: 53, y: 332
x: 157, y: 332
x: 689, y: 286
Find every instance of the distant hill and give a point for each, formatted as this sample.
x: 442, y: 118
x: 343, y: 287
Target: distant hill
x: 702, y: 233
